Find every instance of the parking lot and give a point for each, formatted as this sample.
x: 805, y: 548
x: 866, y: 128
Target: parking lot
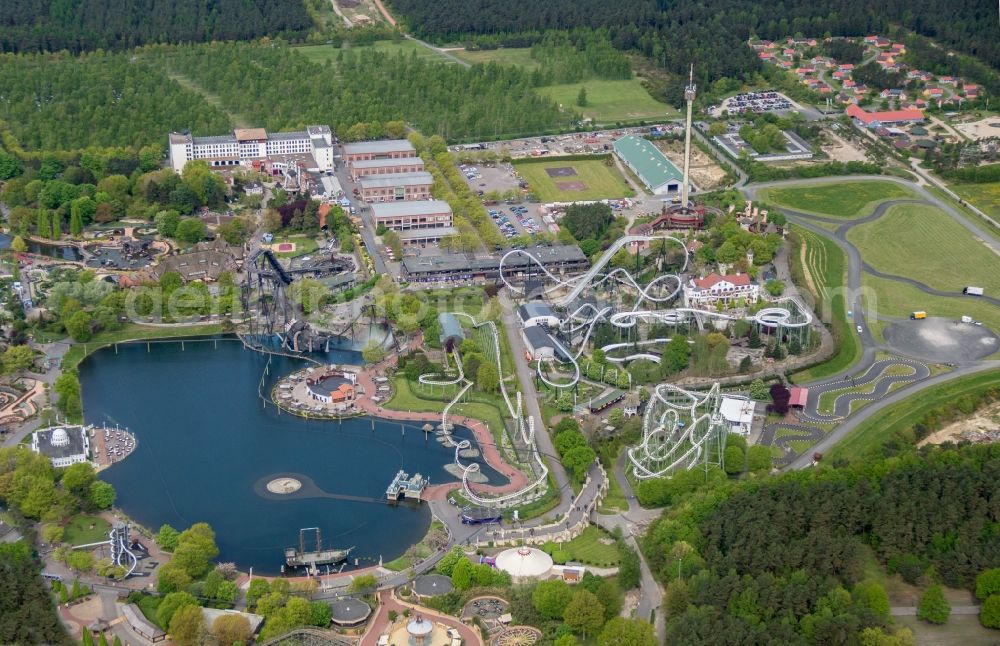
x: 512, y: 217
x: 754, y: 102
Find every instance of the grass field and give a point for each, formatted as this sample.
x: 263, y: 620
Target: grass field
x: 303, y: 245
x: 848, y: 200
x: 822, y: 266
x: 589, y: 548
x: 520, y: 56
x: 406, y: 399
x: 924, y: 243
x: 148, y: 605
x: 960, y: 629
x: 323, y: 53
x: 608, y: 101
x: 882, y: 426
x: 602, y: 182
x: 897, y: 299
x: 82, y: 529
x: 984, y: 196
x: 611, y: 101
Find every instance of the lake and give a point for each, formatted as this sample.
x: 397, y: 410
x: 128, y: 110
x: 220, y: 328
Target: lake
x: 64, y: 252
x: 207, y: 445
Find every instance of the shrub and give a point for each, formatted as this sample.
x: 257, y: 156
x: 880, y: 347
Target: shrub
x: 933, y: 607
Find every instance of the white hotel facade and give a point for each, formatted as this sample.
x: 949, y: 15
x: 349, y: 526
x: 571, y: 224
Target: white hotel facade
x: 244, y: 146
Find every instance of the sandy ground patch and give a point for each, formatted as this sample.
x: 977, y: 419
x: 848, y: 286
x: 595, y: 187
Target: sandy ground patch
x: 980, y: 129
x: 983, y: 425
x: 705, y: 173
x: 842, y: 150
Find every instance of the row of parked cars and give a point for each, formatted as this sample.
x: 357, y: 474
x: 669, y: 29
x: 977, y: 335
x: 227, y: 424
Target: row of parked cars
x: 503, y: 223
x: 529, y: 224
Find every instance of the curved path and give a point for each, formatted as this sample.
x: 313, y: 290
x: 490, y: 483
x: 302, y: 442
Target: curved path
x: 874, y: 374
x: 801, y: 432
x: 856, y: 265
x: 851, y: 423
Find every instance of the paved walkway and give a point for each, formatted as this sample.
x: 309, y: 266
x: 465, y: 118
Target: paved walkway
x: 516, y: 479
x: 911, y: 611
x: 388, y: 601
x: 54, y: 353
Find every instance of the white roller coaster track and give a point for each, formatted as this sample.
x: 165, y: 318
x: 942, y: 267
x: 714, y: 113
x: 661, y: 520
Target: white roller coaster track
x: 578, y: 283
x: 587, y: 316
x: 669, y: 442
x: 525, y: 428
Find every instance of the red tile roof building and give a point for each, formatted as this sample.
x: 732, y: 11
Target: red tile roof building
x: 715, y: 288
x: 876, y: 119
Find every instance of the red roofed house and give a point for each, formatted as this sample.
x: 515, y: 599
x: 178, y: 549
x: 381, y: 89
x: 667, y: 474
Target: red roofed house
x: 878, y: 119
x: 715, y: 288
x: 846, y: 67
x: 342, y: 393
x: 765, y: 56
x: 947, y: 80
x: 799, y: 397
x: 788, y: 52
x: 970, y: 89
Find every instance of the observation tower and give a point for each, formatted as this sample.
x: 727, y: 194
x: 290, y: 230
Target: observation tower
x: 685, y: 214
x: 689, y: 93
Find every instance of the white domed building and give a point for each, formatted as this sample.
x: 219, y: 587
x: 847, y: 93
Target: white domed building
x: 524, y: 563
x: 63, y: 445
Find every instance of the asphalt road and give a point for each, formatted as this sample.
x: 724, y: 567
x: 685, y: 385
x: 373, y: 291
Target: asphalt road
x: 857, y: 419
x: 526, y: 381
x: 855, y: 266
x: 855, y: 263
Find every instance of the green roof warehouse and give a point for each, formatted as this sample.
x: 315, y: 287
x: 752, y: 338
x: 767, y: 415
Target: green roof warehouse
x: 651, y: 166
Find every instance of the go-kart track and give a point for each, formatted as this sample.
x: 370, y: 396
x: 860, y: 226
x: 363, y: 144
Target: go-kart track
x: 855, y: 389
x: 869, y: 382
x: 783, y: 314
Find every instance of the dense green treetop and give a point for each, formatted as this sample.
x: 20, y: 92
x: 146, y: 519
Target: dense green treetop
x: 80, y: 25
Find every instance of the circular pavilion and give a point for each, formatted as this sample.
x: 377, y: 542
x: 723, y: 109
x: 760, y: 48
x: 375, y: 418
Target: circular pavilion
x: 350, y: 612
x: 523, y: 563
x: 432, y: 585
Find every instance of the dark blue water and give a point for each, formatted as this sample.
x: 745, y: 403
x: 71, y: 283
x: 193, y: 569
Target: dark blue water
x: 206, y: 445
x: 65, y: 252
